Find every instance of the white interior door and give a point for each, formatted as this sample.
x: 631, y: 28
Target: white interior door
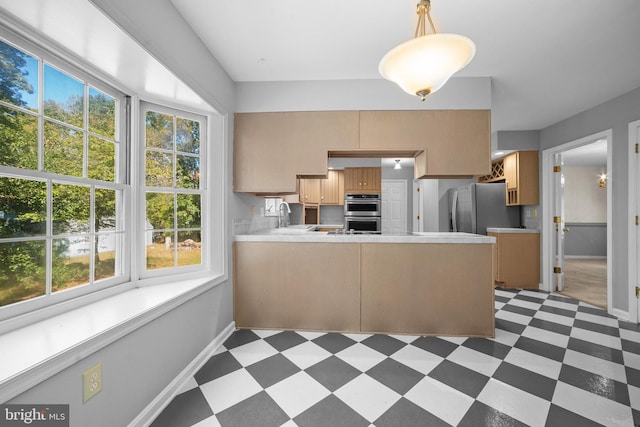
x: 559, y: 221
x: 394, y: 206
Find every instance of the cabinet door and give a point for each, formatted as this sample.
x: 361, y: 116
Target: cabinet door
x: 270, y: 149
x: 310, y: 190
x: 456, y: 142
x: 329, y: 189
x: 374, y: 179
x: 511, y: 171
x: 352, y: 180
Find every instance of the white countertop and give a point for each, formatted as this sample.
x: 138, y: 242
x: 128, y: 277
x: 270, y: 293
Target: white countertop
x: 302, y: 234
x: 513, y: 230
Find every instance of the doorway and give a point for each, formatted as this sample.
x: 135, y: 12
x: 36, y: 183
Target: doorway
x: 576, y: 248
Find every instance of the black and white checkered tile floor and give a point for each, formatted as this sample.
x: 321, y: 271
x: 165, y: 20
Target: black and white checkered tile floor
x: 554, y: 361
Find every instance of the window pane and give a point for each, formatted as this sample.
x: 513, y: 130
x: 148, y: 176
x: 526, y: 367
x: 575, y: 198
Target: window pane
x: 187, y: 135
x: 23, y: 207
x: 70, y: 208
x: 159, y: 130
x: 63, y: 97
x: 160, y: 210
x: 22, y: 271
x: 19, y: 77
x: 62, y: 150
x: 189, y: 248
x: 102, y: 114
x: 18, y: 139
x: 188, y: 172
x: 71, y: 257
x: 102, y: 156
x: 105, y: 259
x: 160, y: 252
x: 159, y: 169
x: 188, y: 210
x: 105, y: 209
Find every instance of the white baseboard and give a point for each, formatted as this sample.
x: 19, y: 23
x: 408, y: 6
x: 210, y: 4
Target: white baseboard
x: 621, y: 315
x: 158, y: 404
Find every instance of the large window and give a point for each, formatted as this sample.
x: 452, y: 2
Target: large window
x: 173, y: 188
x: 62, y: 186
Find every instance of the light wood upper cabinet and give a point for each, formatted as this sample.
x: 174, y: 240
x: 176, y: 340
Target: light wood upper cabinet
x: 362, y: 180
x: 310, y: 190
x: 332, y: 188
x: 511, y: 171
x: 456, y: 142
x: 323, y: 191
x: 522, y: 178
x: 519, y: 171
x: 271, y: 149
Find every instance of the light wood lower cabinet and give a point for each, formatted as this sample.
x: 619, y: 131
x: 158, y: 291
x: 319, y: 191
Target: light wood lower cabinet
x: 517, y: 260
x: 438, y: 289
x: 424, y: 289
x: 308, y: 286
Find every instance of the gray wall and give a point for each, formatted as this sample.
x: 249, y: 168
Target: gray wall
x: 615, y: 114
x: 585, y: 239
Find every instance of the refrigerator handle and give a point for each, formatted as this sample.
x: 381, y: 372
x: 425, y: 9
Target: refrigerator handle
x: 454, y: 208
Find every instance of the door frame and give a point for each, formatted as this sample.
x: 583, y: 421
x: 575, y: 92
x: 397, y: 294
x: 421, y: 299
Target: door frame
x: 634, y: 238
x: 418, y: 206
x: 548, y: 192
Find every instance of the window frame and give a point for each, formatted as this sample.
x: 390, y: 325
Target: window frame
x: 121, y: 183
x: 215, y: 158
x: 203, y: 190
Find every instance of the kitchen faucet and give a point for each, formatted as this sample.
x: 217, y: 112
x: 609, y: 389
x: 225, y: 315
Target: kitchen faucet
x: 281, y: 221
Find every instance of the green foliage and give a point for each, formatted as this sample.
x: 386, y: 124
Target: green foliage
x: 13, y: 75
x: 23, y: 202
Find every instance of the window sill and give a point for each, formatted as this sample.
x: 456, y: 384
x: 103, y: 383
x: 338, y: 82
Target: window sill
x: 33, y: 353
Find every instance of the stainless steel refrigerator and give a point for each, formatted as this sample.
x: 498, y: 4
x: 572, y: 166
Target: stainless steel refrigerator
x: 474, y: 207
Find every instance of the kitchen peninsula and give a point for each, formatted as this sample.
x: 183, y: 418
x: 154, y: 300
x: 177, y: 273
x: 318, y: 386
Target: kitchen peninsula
x: 420, y: 283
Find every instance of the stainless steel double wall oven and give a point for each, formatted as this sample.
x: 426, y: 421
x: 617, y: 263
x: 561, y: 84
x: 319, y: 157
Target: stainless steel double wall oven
x: 362, y: 213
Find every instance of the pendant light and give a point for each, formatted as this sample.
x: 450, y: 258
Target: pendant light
x: 423, y: 65
x: 397, y: 166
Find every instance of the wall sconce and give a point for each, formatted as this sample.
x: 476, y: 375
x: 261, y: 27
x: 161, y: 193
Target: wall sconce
x: 603, y: 180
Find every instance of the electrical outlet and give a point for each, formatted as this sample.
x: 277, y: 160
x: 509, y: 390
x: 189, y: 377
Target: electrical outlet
x: 534, y: 213
x: 91, y: 382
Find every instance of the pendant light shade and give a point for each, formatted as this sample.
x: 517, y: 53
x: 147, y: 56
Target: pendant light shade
x: 423, y: 65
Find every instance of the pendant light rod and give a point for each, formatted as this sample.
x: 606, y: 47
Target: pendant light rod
x: 424, y: 9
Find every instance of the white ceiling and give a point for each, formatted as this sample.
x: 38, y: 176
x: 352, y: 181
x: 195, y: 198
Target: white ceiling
x: 594, y: 154
x: 548, y: 59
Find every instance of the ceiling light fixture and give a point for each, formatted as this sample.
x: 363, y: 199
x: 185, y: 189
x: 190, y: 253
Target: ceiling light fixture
x: 397, y: 166
x: 423, y: 65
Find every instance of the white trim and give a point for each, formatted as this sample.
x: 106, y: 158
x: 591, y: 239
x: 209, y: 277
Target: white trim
x: 584, y: 257
x: 19, y: 372
x: 547, y: 205
x: 620, y: 314
x: 165, y: 397
x: 634, y: 198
